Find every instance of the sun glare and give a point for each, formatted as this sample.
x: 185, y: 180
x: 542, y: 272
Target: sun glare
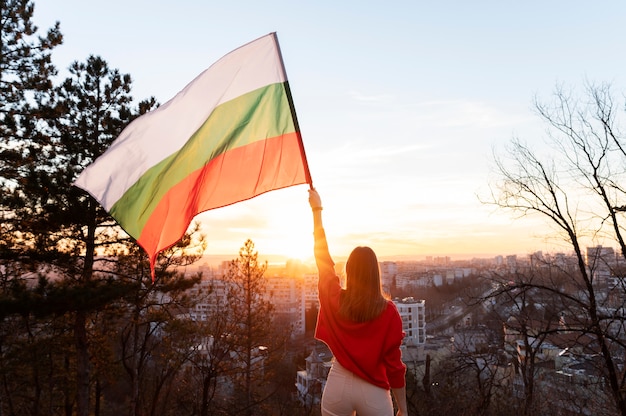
x: 295, y: 245
x: 287, y: 227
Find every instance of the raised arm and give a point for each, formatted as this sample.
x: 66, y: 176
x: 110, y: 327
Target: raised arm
x: 316, y: 206
x: 324, y: 262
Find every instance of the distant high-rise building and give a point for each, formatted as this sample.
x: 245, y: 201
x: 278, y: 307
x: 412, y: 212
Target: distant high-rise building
x: 287, y: 295
x: 601, y: 262
x: 442, y: 261
x: 310, y: 291
x: 450, y: 276
x: 413, y: 314
x: 511, y: 262
x: 438, y: 280
x: 536, y: 259
x: 388, y: 270
x: 213, y: 292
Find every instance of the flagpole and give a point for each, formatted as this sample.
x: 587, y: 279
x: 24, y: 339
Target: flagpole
x: 292, y: 107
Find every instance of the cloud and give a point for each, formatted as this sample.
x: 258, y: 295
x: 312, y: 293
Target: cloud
x: 352, y: 152
x: 457, y: 113
x: 403, y: 113
x: 372, y: 98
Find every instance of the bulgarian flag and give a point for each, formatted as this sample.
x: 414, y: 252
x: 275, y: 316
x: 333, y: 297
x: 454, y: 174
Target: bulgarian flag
x: 228, y: 136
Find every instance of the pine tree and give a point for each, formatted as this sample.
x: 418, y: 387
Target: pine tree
x: 253, y: 314
x: 26, y: 73
x: 25, y: 68
x: 53, y: 230
x: 59, y: 249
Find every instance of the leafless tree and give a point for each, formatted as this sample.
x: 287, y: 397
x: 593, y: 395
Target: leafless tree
x: 577, y: 185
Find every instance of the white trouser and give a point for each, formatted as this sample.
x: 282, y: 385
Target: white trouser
x: 345, y: 393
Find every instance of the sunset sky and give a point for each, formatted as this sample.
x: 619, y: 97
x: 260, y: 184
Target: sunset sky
x: 401, y: 105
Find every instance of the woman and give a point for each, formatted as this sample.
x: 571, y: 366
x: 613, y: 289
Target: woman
x: 362, y: 329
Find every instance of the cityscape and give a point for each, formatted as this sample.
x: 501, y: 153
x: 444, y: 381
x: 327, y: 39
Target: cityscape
x: 459, y: 312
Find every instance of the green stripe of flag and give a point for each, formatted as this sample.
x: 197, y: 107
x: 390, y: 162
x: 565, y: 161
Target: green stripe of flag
x: 259, y: 115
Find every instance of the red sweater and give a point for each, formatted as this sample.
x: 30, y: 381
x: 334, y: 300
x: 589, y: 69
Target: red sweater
x: 371, y: 349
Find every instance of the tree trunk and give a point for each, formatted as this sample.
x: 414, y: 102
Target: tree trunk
x: 98, y: 395
x: 80, y: 327
x: 68, y: 404
x: 82, y: 365
x: 135, y: 402
x: 204, y: 409
x: 426, y: 379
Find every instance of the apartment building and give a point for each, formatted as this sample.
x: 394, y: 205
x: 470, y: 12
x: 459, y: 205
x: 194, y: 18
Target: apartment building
x: 287, y: 295
x: 413, y: 314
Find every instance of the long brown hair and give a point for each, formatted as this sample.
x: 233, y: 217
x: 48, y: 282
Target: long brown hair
x: 363, y: 299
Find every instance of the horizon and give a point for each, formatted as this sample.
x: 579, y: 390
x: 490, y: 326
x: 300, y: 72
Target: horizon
x: 276, y: 259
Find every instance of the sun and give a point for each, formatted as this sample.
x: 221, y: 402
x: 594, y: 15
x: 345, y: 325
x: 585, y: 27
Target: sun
x: 289, y: 235
x: 291, y: 244
x: 279, y: 223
